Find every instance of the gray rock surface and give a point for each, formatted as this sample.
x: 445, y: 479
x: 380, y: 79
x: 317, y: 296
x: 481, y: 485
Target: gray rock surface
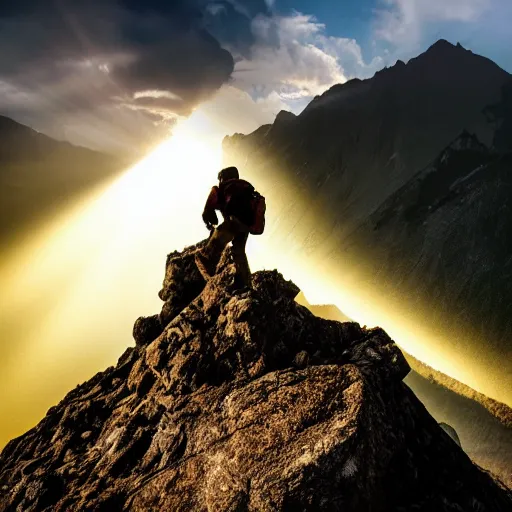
x: 244, y: 401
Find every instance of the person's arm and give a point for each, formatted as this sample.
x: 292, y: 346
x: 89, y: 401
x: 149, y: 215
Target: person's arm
x: 209, y: 216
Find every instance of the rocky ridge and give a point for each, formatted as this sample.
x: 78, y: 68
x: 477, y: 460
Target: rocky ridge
x: 244, y: 400
x: 480, y: 425
x: 359, y: 142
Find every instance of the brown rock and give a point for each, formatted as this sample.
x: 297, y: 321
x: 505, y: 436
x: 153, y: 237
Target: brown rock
x: 146, y: 329
x: 227, y: 410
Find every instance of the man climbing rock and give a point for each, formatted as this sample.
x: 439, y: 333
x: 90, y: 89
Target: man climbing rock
x: 243, y: 210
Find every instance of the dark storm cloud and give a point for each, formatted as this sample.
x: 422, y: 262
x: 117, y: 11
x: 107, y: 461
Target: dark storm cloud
x: 148, y: 45
x: 74, y: 62
x: 187, y: 61
x: 230, y: 21
x: 92, y: 71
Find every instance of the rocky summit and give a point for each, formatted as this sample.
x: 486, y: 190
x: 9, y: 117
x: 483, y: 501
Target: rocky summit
x: 236, y: 400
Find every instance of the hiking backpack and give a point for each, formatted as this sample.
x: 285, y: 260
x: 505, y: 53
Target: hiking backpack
x: 258, y: 207
x: 238, y: 197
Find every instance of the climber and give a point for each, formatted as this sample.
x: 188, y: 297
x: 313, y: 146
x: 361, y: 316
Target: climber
x: 243, y: 210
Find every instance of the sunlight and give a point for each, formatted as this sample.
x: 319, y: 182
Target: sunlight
x: 80, y: 283
x: 70, y: 294
x: 323, y: 283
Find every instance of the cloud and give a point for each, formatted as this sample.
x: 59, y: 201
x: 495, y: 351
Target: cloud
x: 215, y: 9
x: 157, y: 94
x: 142, y: 65
x: 294, y: 58
x: 233, y: 110
x: 74, y: 60
x: 402, y: 22
x: 230, y: 22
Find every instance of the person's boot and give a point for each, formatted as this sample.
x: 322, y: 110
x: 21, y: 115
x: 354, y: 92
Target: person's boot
x: 209, y: 256
x: 243, y: 278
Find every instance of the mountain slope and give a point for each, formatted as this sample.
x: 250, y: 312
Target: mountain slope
x: 39, y: 175
x: 244, y: 401
x: 331, y: 174
x: 441, y: 244
x: 360, y: 141
x: 484, y: 437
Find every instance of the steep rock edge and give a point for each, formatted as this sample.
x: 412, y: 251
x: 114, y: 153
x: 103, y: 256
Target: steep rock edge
x: 481, y: 425
x: 499, y: 410
x: 244, y: 401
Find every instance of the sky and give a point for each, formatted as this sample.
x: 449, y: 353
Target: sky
x: 117, y: 75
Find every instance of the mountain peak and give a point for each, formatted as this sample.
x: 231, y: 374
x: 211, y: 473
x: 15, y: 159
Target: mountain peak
x: 467, y: 141
x: 443, y: 55
x: 284, y: 116
x: 243, y: 400
x: 442, y: 44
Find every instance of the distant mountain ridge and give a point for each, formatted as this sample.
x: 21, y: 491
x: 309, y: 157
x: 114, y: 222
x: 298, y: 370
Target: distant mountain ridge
x: 358, y: 182
x: 39, y: 175
x: 502, y: 412
x: 20, y: 141
x: 386, y: 127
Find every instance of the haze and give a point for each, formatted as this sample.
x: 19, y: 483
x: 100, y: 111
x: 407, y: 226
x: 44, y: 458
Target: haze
x: 73, y: 283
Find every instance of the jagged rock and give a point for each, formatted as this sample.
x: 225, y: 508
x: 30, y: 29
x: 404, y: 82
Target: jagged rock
x: 147, y: 329
x: 179, y: 292
x: 284, y: 115
x: 245, y: 401
x: 301, y: 360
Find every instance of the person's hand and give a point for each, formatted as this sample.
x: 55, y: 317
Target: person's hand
x: 210, y: 219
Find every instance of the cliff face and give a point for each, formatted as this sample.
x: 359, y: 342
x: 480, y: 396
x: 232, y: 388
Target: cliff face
x: 244, y: 401
x: 441, y: 245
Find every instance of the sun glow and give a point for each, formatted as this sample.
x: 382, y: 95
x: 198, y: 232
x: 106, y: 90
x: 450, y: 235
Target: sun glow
x: 80, y: 283
x: 70, y: 294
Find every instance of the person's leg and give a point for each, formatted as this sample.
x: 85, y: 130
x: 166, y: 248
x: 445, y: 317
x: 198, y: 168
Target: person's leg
x: 210, y: 255
x: 240, y: 259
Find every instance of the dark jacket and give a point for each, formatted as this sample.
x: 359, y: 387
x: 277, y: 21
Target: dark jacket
x: 231, y: 197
